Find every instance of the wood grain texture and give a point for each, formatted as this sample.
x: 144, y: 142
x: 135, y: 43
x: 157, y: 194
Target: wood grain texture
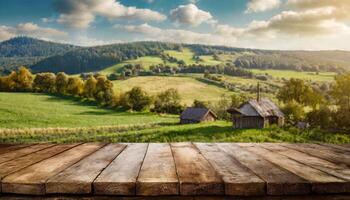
x: 78, y: 178
x: 239, y: 180
x: 332, y: 155
x: 279, y: 181
x: 321, y: 182
x: 334, y: 146
x: 317, y: 163
x: 158, y: 173
x: 31, y: 180
x: 196, y: 175
x: 22, y: 152
x: 4, y: 148
x: 22, y: 162
x: 119, y: 178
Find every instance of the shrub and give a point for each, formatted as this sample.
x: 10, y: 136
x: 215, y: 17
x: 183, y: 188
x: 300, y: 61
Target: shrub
x: 136, y: 99
x: 168, y: 102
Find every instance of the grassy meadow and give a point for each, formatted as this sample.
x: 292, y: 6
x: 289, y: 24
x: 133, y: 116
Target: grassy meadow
x: 288, y: 74
x: 26, y: 110
x: 189, y: 88
x: 36, y: 118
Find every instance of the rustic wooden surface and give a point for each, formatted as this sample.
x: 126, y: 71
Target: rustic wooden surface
x: 177, y: 171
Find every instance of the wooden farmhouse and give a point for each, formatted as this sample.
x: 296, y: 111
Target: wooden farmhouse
x: 197, y: 115
x: 257, y: 113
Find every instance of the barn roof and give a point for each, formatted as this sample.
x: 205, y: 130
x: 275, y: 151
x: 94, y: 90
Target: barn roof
x: 264, y: 107
x: 196, y: 114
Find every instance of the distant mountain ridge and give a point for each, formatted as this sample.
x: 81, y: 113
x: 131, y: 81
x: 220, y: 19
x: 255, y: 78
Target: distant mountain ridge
x: 44, y: 56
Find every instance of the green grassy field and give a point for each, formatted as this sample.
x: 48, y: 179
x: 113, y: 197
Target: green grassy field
x: 25, y: 110
x: 288, y: 74
x: 24, y: 118
x: 145, y: 61
x: 219, y: 131
x: 189, y: 88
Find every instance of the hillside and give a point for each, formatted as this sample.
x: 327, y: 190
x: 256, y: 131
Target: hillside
x: 27, y: 51
x: 48, y: 56
x: 99, y: 58
x: 188, y: 87
x: 27, y: 110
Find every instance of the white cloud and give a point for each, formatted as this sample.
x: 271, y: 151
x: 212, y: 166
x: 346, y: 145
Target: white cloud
x: 81, y: 13
x: 262, y: 5
x: 191, y: 15
x: 83, y: 40
x: 31, y: 29
x: 178, y: 35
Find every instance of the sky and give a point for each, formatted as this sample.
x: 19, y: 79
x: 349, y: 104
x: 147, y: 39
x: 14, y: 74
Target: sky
x: 263, y: 24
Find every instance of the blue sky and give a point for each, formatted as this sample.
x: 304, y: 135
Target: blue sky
x: 266, y: 24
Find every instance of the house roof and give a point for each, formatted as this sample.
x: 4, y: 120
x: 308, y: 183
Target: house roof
x: 196, y: 114
x: 264, y: 108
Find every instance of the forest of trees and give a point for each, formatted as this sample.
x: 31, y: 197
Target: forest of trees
x: 44, y: 56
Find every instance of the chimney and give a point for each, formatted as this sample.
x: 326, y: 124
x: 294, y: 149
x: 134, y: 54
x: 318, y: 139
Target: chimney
x: 258, y: 92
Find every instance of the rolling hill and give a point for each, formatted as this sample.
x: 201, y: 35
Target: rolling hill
x: 43, y: 56
x: 27, y: 51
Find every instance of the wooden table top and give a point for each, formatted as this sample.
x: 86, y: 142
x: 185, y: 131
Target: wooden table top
x: 186, y: 170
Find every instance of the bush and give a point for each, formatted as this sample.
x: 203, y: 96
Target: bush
x: 294, y: 112
x: 136, y: 99
x: 168, y: 102
x: 45, y: 82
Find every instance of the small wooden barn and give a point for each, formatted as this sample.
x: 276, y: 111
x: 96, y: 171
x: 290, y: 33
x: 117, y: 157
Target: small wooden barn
x: 259, y: 113
x: 197, y: 115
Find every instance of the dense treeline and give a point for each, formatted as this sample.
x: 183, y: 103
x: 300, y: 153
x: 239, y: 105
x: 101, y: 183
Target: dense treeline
x: 97, y: 58
x: 326, y: 108
x: 20, y: 51
x: 227, y: 69
x: 94, y: 87
x: 290, y: 61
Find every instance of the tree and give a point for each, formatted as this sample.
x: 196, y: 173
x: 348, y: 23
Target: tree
x: 168, y: 101
x: 75, y: 86
x: 294, y: 112
x: 24, y: 80
x: 104, y: 93
x: 341, y: 94
x: 136, y: 99
x: 341, y: 91
x: 200, y: 104
x: 6, y: 84
x: 90, y: 87
x: 321, y: 117
x: 299, y: 91
x: 61, y: 83
x: 45, y: 82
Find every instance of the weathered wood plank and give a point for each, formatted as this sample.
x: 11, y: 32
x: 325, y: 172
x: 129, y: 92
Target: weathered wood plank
x: 78, y: 178
x: 119, y: 178
x: 4, y: 148
x: 158, y: 173
x: 317, y: 163
x: 334, y: 146
x: 22, y: 152
x: 238, y: 179
x: 14, y: 165
x: 196, y: 175
x: 279, y: 181
x: 321, y: 181
x: 31, y: 180
x: 334, y: 156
